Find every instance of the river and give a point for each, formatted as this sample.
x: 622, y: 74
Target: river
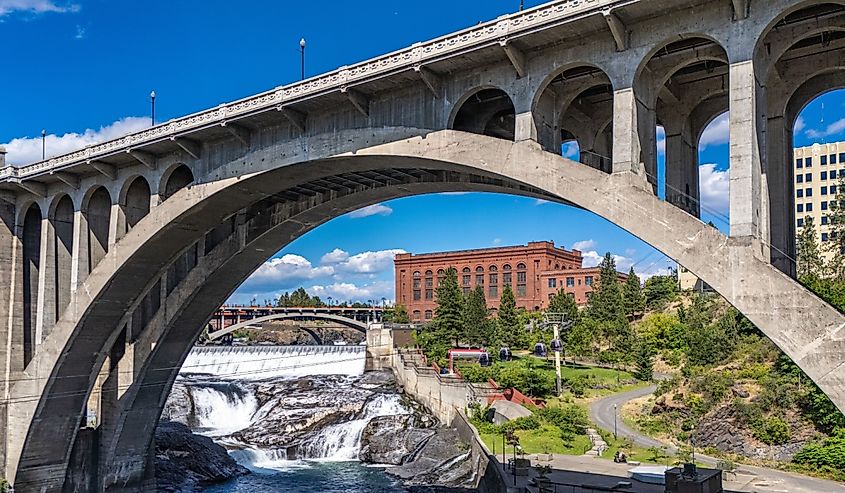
x: 293, y: 416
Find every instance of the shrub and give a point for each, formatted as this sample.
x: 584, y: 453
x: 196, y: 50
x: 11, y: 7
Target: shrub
x: 771, y: 431
x: 829, y: 453
x: 476, y: 373
x: 570, y: 419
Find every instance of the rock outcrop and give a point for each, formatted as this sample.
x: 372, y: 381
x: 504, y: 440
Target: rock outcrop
x: 186, y: 462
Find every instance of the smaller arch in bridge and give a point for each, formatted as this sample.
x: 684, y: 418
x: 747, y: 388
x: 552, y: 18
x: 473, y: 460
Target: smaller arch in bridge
x: 175, y: 179
x: 31, y: 257
x: 134, y: 203
x: 486, y: 111
x: 96, y: 211
x: 60, y: 255
x: 573, y: 114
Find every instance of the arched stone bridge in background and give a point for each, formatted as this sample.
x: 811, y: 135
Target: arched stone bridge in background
x: 115, y: 257
x: 293, y: 315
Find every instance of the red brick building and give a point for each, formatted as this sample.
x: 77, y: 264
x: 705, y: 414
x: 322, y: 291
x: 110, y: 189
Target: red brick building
x: 535, y: 272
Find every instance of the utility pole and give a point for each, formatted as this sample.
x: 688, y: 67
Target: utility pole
x: 557, y: 360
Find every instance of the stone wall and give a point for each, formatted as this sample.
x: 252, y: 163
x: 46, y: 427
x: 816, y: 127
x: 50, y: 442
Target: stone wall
x: 490, y: 479
x: 444, y: 395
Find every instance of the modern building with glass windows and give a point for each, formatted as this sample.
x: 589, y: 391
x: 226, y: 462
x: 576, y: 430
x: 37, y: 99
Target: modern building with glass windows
x: 535, y: 272
x: 817, y: 171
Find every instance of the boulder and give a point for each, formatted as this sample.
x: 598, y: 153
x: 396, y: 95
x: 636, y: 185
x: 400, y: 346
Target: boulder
x: 185, y: 462
x: 392, y: 439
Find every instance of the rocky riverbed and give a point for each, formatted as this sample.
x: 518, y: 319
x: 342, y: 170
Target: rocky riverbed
x: 270, y: 424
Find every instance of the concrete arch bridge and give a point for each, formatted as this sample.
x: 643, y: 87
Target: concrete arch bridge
x: 299, y: 315
x: 115, y: 257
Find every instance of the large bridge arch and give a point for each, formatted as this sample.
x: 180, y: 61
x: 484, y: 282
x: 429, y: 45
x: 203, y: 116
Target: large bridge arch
x: 807, y: 329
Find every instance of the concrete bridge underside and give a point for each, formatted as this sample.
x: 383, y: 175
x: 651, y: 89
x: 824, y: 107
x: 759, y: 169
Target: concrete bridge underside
x: 116, y: 257
x: 345, y: 321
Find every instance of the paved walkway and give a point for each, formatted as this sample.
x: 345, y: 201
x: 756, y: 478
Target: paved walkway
x: 748, y: 478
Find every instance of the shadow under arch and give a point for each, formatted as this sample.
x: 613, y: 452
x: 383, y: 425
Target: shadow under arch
x: 440, y: 161
x: 485, y: 111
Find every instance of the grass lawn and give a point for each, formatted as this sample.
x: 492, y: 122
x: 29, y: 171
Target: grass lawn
x: 545, y: 440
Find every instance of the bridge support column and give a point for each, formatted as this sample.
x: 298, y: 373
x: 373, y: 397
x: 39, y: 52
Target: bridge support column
x: 682, y: 167
x: 748, y: 204
x: 634, y: 136
x: 11, y: 330
x: 781, y: 193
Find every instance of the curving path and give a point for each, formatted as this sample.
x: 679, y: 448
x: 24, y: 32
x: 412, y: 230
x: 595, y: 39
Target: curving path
x: 762, y: 479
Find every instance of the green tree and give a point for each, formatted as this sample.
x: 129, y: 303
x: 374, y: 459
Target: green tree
x: 579, y: 340
x: 564, y: 303
x: 632, y: 293
x: 809, y: 262
x: 397, y: 315
x: 644, y: 360
x: 448, y: 320
x: 299, y: 298
x: 476, y: 324
x: 508, y: 331
x: 606, y: 305
x: 660, y: 290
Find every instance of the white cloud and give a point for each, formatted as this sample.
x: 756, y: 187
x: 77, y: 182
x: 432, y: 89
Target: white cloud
x: 368, y: 262
x: 541, y: 202
x: 715, y: 189
x: 584, y: 245
x: 372, y: 210
x: 36, y: 6
x: 834, y: 128
x: 661, y: 141
x: 26, y: 150
x: 592, y: 259
x: 335, y: 256
x: 800, y: 124
x: 717, y: 132
x: 284, y: 271
x: 570, y: 150
x: 345, y: 291
x: 497, y: 241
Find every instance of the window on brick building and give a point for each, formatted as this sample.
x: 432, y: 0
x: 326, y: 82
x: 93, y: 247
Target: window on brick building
x: 416, y: 295
x: 588, y: 280
x: 440, y: 275
x: 552, y: 282
x: 521, y: 290
x: 493, y: 292
x: 570, y: 282
x: 467, y: 276
x: 429, y: 294
x: 429, y: 279
x: 417, y: 315
x: 466, y: 291
x: 417, y: 281
x: 428, y: 314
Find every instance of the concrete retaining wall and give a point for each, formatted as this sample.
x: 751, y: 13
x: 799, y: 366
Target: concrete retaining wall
x: 443, y: 395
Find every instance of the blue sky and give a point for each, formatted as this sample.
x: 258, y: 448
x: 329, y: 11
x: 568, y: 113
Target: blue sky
x: 83, y: 70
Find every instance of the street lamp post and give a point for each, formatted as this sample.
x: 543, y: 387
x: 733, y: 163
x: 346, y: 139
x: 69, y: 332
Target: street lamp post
x: 43, y: 144
x: 153, y: 108
x: 614, y: 422
x: 302, y: 58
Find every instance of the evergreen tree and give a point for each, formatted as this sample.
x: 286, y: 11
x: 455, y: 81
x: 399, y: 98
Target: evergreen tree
x: 397, y: 315
x: 564, y: 303
x: 836, y: 219
x: 507, y: 324
x: 643, y: 356
x: 606, y: 305
x: 448, y: 316
x: 476, y: 325
x: 633, y: 294
x: 809, y: 261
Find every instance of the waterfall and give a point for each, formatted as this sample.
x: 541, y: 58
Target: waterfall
x: 262, y: 362
x: 232, y: 393
x: 342, y: 441
x: 222, y: 411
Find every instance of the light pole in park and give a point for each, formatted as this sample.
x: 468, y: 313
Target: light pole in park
x: 556, y: 320
x: 43, y: 144
x: 614, y: 422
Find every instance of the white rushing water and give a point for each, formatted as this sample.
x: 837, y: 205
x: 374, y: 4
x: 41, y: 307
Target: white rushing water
x: 262, y: 362
x: 223, y: 412
x: 342, y: 441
